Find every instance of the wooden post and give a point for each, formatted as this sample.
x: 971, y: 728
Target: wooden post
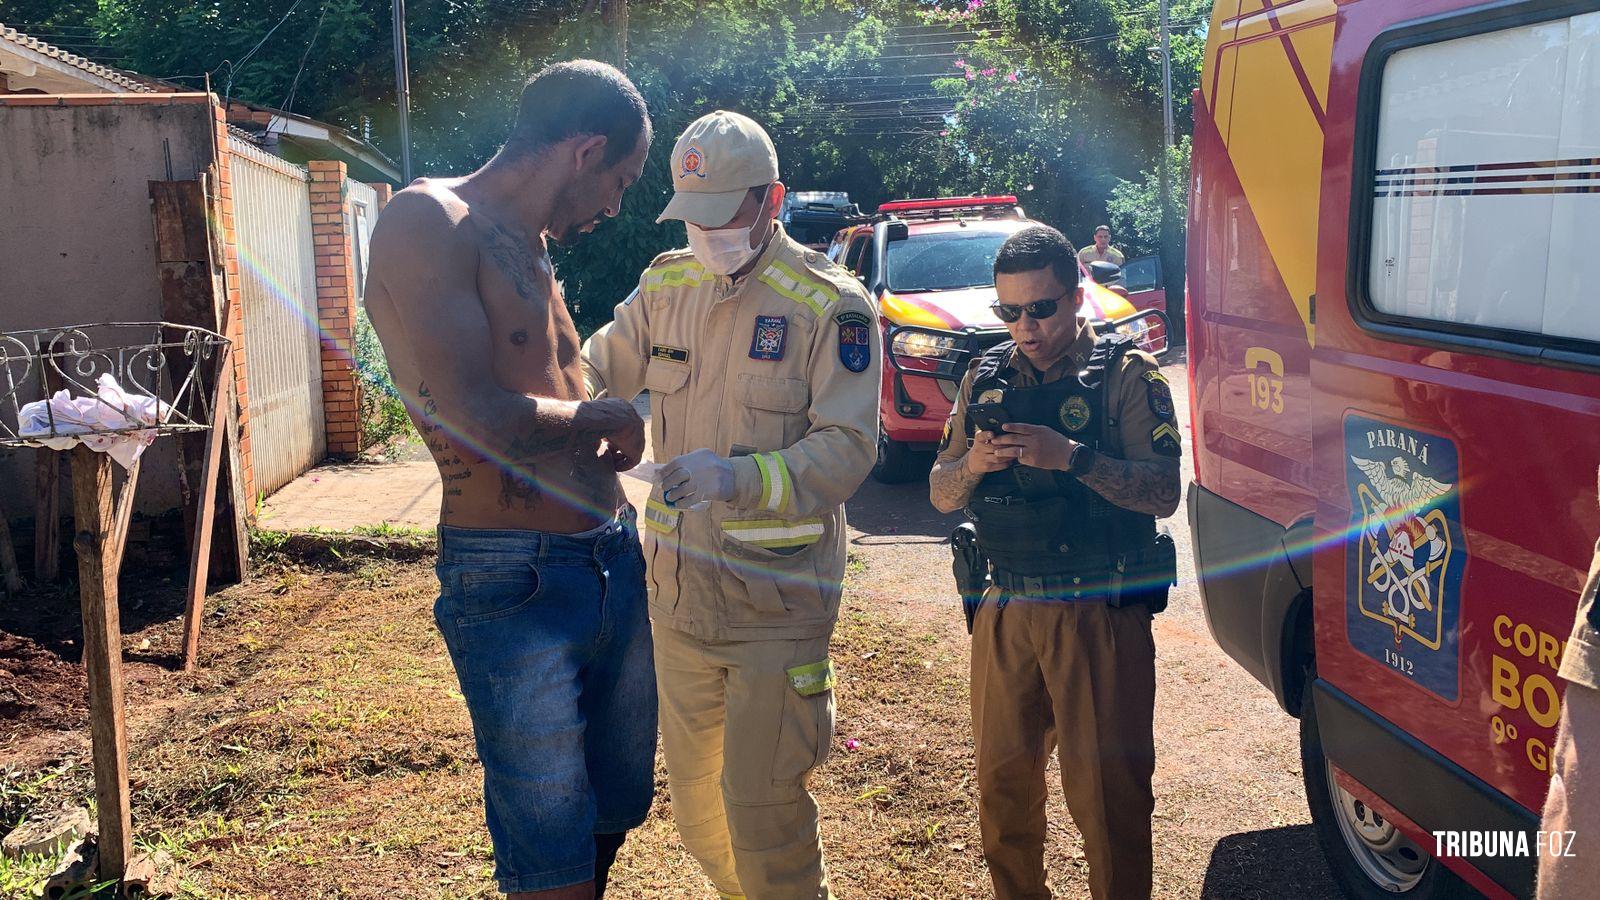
x: 188, y: 266
x: 8, y: 557
x: 95, y: 524
x: 46, y: 516
x: 200, y: 553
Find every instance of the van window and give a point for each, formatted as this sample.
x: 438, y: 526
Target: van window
x: 1486, y: 194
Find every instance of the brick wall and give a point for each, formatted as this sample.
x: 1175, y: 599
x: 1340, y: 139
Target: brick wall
x: 235, y: 313
x: 336, y: 307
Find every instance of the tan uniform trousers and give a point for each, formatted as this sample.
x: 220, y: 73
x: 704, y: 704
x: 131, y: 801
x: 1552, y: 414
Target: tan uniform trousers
x: 1079, y: 676
x: 740, y: 741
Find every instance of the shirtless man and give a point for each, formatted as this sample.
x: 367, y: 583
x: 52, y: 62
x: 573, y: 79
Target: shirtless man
x: 542, y: 595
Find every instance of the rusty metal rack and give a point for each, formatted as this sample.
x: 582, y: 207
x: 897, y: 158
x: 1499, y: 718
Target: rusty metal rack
x: 164, y: 379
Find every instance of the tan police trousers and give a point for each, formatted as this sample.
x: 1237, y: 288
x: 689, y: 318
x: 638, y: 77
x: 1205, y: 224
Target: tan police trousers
x: 740, y: 739
x: 1079, y: 677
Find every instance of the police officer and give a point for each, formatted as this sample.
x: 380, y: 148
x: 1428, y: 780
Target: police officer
x: 762, y: 361
x: 1075, y: 457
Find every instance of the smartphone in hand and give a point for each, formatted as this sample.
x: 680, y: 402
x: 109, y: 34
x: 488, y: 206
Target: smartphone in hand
x: 988, y: 416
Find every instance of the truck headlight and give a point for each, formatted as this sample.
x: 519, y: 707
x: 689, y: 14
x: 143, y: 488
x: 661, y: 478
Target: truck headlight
x: 1138, y: 329
x: 922, y: 345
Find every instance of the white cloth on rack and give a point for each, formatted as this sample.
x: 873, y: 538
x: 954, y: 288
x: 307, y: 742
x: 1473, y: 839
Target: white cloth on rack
x: 93, y: 420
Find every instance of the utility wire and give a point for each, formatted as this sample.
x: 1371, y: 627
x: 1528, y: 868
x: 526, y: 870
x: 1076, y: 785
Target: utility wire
x: 288, y: 102
x: 233, y: 68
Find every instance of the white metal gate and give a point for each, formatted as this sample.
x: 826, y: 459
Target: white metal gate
x: 283, y: 359
x: 360, y: 216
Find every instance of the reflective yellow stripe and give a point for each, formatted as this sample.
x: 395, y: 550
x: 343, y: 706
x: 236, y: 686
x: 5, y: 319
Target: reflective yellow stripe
x: 813, y: 679
x: 685, y: 273
x: 773, y: 533
x: 660, y: 517
x: 776, y: 486
x: 1167, y: 429
x: 814, y: 295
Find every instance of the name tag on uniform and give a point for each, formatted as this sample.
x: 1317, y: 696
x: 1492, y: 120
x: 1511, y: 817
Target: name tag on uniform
x: 771, y: 334
x: 675, y: 354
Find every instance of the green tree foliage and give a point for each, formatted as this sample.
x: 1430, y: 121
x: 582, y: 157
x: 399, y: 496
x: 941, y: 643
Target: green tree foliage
x: 1055, y: 100
x: 1135, y: 207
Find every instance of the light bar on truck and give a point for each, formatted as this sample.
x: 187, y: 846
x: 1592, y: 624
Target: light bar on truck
x: 934, y: 203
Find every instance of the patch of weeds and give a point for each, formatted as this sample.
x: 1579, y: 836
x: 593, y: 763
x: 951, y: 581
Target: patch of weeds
x: 383, y: 411
x: 26, y: 877
x: 20, y: 792
x: 855, y: 564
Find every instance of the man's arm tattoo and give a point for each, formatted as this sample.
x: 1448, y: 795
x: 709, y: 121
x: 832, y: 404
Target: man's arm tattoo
x: 1145, y: 486
x: 950, y: 485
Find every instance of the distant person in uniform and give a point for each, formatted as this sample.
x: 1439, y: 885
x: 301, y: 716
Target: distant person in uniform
x: 1064, y: 490
x: 1101, y: 250
x: 762, y: 359
x: 1574, y: 801
x: 541, y: 581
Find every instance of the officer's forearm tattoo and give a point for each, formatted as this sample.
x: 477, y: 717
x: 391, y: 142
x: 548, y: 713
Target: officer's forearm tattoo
x: 1144, y: 486
x: 950, y: 485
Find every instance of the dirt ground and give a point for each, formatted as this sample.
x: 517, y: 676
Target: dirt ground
x: 322, y: 750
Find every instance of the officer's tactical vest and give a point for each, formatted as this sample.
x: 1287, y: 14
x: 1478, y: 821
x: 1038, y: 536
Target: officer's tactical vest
x: 1037, y: 522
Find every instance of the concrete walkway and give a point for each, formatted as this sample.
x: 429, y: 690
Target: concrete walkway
x: 404, y: 493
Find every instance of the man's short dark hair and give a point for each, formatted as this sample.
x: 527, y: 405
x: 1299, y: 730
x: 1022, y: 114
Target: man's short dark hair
x: 1037, y: 247
x: 1100, y: 228
x: 580, y: 97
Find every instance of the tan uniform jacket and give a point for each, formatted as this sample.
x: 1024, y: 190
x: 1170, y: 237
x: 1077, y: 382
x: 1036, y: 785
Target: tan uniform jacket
x: 1141, y: 398
x: 1092, y: 253
x: 756, y: 371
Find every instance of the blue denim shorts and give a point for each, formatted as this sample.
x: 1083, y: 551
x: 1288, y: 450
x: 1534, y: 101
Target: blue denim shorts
x: 551, y: 643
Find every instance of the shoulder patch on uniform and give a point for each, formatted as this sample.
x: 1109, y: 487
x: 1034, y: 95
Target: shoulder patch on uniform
x: 1159, y: 393
x: 944, y: 440
x: 853, y: 317
x: 855, y: 343
x: 1164, y: 438
x: 675, y: 354
x: 1154, y: 375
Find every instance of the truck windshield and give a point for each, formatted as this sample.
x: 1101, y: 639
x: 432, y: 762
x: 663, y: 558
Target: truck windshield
x: 943, y: 261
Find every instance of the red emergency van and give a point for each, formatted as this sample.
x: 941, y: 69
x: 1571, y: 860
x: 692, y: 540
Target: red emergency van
x: 1394, y: 333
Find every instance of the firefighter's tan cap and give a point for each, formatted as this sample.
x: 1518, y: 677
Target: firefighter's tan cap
x: 719, y: 158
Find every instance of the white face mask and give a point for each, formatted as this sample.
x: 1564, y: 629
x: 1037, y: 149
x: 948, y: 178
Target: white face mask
x: 727, y: 250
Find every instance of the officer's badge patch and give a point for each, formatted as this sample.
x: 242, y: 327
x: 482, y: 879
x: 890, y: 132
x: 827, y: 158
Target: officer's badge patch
x: 1075, y: 413
x: 1405, y: 552
x: 993, y: 395
x: 770, y: 336
x: 944, y: 441
x: 1164, y: 438
x: 694, y: 163
x: 855, y: 340
x: 1160, y: 396
x: 672, y: 354
x: 1153, y: 376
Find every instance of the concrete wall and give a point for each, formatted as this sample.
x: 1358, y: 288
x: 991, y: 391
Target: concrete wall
x: 76, y: 238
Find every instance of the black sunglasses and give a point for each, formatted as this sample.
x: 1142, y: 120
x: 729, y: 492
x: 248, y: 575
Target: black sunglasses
x: 1038, y: 309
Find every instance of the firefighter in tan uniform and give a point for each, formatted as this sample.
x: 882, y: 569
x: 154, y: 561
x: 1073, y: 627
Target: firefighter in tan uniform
x: 762, y: 360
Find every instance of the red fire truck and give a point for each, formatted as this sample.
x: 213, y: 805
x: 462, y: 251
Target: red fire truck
x: 1394, y: 333
x: 930, y: 264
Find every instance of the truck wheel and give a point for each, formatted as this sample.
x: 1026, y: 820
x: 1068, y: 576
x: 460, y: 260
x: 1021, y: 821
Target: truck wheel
x: 897, y: 463
x: 1369, y: 857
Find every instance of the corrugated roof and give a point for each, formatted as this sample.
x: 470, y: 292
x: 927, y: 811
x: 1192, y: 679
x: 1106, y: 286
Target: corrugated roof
x: 13, y: 36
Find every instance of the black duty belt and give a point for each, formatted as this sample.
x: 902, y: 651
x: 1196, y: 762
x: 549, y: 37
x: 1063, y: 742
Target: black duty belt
x: 1062, y: 587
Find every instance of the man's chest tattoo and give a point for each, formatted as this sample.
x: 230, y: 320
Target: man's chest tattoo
x: 512, y: 257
